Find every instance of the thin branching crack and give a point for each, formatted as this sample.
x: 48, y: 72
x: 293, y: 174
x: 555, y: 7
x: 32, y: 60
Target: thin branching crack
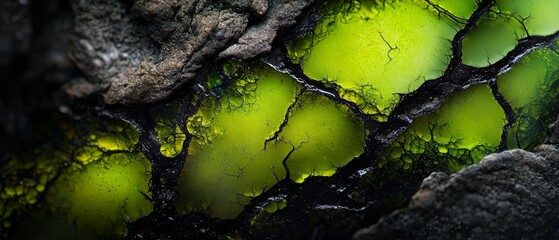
x: 509, y: 113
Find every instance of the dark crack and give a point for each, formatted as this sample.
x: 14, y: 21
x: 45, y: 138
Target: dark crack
x: 392, y: 48
x: 336, y: 190
x: 446, y: 13
x: 285, y: 121
x: 509, y: 113
x: 344, y: 191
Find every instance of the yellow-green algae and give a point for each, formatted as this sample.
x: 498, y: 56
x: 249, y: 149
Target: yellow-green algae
x: 492, y: 38
x: 531, y: 88
x: 324, y: 134
x: 375, y: 50
x: 168, y: 132
x: 499, y: 30
x: 91, y: 184
x: 100, y: 198
x: 25, y: 176
x: 230, y: 160
x: 539, y: 16
x: 459, y: 8
x: 463, y: 130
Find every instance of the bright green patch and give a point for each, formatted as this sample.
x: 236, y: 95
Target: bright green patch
x: 459, y: 8
x: 375, y: 51
x: 235, y: 154
x: 531, y: 88
x: 463, y: 130
x: 91, y: 187
x: 539, y: 16
x: 325, y: 136
x: 493, y: 37
x: 104, y: 195
x: 167, y: 129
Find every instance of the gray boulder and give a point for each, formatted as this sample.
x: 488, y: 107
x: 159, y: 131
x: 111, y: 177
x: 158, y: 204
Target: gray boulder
x: 509, y: 195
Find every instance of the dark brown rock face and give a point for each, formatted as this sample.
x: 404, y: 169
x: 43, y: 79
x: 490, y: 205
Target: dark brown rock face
x: 140, y: 52
x: 510, y: 195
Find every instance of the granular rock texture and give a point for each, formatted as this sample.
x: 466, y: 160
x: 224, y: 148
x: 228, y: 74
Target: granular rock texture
x: 141, y: 52
x: 510, y: 195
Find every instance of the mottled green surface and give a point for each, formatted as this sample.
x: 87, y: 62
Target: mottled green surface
x: 500, y: 29
x: 459, y: 8
x: 538, y: 16
x: 375, y: 51
x: 531, y: 88
x: 167, y: 129
x: 89, y: 190
x: 234, y: 155
x: 493, y: 37
x: 255, y: 125
x: 463, y: 130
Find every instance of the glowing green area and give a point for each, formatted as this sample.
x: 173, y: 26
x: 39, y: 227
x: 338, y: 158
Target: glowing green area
x: 89, y: 187
x: 227, y: 162
x: 499, y: 31
x: 463, y: 130
x: 531, y: 88
x: 235, y: 154
x: 101, y: 197
x: 168, y: 132
x: 539, y: 16
x: 112, y: 136
x: 374, y: 51
x: 324, y: 135
x: 18, y: 191
x: 493, y: 37
x: 459, y: 8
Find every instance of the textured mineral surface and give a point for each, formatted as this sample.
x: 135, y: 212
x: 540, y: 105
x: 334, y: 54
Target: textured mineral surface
x: 292, y: 119
x: 509, y: 195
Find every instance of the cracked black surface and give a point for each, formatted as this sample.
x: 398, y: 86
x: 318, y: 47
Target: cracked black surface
x: 304, y: 215
x: 346, y: 201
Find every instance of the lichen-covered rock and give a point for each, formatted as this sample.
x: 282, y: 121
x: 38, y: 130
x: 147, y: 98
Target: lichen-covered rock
x: 509, y: 195
x: 143, y: 52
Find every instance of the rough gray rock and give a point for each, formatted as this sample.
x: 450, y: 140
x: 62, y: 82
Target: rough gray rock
x: 554, y: 132
x: 509, y: 195
x: 143, y: 52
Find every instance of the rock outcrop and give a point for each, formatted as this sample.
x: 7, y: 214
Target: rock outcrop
x: 135, y: 52
x: 509, y: 195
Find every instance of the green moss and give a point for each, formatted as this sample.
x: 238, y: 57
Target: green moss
x: 90, y: 185
x: 168, y: 132
x: 236, y: 154
x: 531, y: 88
x: 464, y: 129
x: 227, y: 163
x: 101, y: 197
x: 376, y: 51
x: 539, y: 16
x: 325, y: 136
x: 493, y: 37
x: 459, y: 8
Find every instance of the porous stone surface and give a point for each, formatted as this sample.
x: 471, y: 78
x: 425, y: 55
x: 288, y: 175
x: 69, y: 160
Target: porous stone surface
x: 509, y: 195
x: 554, y: 132
x: 140, y: 52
